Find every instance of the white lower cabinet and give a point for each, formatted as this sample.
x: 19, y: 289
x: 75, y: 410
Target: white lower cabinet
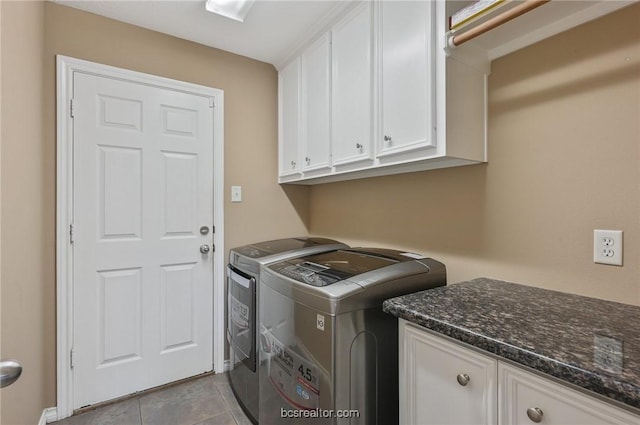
x: 526, y: 398
x: 444, y: 382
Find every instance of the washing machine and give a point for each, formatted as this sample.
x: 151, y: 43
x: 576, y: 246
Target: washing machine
x: 243, y: 274
x: 328, y: 353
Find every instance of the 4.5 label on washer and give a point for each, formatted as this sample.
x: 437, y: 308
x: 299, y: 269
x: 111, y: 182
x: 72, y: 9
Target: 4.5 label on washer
x: 320, y: 322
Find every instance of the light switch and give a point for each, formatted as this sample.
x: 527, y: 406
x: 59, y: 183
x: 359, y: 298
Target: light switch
x: 236, y: 193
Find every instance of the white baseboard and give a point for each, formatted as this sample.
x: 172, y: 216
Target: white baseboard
x: 49, y: 415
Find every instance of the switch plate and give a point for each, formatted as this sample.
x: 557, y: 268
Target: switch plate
x: 236, y: 193
x: 607, y: 247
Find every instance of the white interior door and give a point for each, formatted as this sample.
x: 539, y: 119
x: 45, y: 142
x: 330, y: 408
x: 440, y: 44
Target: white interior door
x: 142, y: 294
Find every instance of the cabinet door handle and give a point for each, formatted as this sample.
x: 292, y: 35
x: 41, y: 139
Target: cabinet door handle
x: 293, y: 164
x: 387, y: 138
x: 308, y: 160
x: 359, y: 146
x: 463, y: 379
x: 535, y: 414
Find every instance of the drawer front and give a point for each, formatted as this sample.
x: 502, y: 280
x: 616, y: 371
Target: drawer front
x: 520, y: 391
x: 443, y: 382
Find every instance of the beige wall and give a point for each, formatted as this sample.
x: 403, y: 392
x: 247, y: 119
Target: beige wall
x: 564, y: 159
x: 27, y: 303
x: 32, y: 34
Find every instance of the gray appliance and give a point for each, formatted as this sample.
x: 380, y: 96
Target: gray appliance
x: 243, y: 273
x: 326, y: 345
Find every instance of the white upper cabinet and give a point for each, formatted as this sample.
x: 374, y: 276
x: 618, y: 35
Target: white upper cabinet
x: 352, y: 86
x: 396, y: 102
x: 289, y: 118
x: 399, y: 98
x: 316, y: 106
x: 406, y: 76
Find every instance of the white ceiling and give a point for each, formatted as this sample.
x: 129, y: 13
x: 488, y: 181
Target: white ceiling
x: 271, y: 32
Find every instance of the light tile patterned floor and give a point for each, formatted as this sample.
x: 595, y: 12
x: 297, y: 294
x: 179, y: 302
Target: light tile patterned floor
x: 202, y: 401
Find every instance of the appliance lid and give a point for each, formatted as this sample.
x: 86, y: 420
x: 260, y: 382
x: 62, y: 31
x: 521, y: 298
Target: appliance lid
x: 330, y: 267
x: 263, y: 249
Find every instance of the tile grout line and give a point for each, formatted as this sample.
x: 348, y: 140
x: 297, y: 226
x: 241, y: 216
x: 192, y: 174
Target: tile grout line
x: 139, y: 410
x: 226, y: 402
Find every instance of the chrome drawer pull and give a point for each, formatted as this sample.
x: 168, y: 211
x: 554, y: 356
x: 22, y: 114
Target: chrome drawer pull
x: 535, y: 414
x: 463, y: 379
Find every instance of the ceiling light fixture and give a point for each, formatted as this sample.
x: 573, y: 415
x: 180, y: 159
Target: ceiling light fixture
x: 232, y: 9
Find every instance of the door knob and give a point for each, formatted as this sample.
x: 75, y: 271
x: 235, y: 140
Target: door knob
x: 204, y: 249
x: 10, y: 371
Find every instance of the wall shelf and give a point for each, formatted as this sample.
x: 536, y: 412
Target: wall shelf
x: 545, y: 21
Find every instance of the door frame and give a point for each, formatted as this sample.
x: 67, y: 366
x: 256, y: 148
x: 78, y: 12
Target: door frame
x: 66, y: 66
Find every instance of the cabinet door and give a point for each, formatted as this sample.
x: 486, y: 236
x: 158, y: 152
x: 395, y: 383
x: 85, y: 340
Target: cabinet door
x: 289, y: 116
x: 352, y: 86
x: 444, y: 383
x: 520, y: 391
x: 316, y: 75
x: 407, y: 76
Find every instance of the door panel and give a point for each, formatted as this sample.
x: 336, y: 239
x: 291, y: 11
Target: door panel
x: 143, y: 175
x: 119, y: 192
x: 180, y: 194
x: 119, y: 315
x: 178, y: 302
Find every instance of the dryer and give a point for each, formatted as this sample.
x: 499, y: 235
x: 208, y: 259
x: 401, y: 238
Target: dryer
x: 243, y: 275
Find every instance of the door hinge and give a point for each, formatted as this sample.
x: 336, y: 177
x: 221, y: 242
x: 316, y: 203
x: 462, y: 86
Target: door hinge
x: 71, y: 233
x: 213, y: 229
x: 213, y: 248
x: 212, y: 102
x: 71, y: 107
x: 71, y: 358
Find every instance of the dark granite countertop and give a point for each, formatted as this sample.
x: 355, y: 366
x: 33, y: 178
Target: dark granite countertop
x: 592, y: 343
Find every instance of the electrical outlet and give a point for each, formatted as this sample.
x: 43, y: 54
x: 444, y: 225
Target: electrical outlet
x: 607, y: 247
x: 607, y: 353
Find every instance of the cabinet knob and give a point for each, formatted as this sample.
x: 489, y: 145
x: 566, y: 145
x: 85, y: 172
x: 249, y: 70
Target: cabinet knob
x: 387, y: 138
x: 463, y: 379
x: 293, y: 164
x: 535, y: 414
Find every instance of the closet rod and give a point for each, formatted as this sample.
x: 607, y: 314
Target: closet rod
x: 496, y: 21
